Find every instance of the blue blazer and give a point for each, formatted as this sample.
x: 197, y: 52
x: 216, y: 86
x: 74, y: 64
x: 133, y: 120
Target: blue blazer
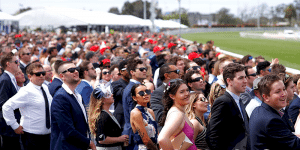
x: 54, y: 86
x: 128, y: 105
x: 7, y: 90
x: 294, y: 109
x: 85, y: 90
x: 269, y: 131
x: 68, y: 125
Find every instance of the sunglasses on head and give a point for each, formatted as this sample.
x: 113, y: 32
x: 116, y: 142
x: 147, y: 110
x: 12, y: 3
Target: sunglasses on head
x: 176, y: 71
x: 105, y: 72
x: 197, y: 79
x: 39, y: 73
x: 203, y: 99
x: 143, y: 93
x: 123, y: 69
x: 253, y: 74
x: 195, y: 68
x: 72, y: 70
x: 142, y: 69
x: 26, y: 53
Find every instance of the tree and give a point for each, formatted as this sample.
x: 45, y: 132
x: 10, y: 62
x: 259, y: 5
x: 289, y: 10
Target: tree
x: 22, y: 10
x: 290, y: 12
x: 137, y: 9
x: 225, y: 17
x: 175, y: 16
x: 114, y: 10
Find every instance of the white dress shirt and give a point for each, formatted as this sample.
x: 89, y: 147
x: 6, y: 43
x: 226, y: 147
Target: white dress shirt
x: 237, y: 101
x: 255, y: 102
x: 31, y: 103
x: 46, y: 82
x: 13, y: 79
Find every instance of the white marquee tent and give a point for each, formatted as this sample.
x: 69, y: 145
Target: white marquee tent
x: 55, y: 17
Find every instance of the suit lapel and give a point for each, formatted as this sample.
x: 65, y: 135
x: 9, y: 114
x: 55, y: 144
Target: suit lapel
x: 14, y: 90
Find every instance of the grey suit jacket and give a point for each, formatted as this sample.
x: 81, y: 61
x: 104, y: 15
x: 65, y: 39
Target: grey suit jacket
x: 157, y: 104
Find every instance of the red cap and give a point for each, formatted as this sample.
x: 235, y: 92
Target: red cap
x: 18, y: 35
x: 102, y: 50
x: 157, y: 48
x: 104, y: 61
x: 193, y: 55
x: 171, y: 45
x: 218, y: 54
x: 94, y: 48
x: 128, y: 36
x: 184, y: 48
x: 83, y: 40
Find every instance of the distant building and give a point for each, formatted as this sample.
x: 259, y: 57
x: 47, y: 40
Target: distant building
x: 202, y: 19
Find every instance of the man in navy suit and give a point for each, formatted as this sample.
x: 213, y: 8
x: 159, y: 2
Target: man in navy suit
x: 8, y: 88
x: 24, y: 55
x: 69, y: 122
x: 118, y: 88
x: 294, y: 108
x: 166, y: 73
x: 267, y: 128
x: 228, y: 126
x: 137, y: 72
x: 56, y: 82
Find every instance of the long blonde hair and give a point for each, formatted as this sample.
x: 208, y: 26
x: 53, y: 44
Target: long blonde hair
x: 94, y: 112
x: 190, y: 110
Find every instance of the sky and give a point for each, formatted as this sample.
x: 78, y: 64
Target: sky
x: 201, y: 6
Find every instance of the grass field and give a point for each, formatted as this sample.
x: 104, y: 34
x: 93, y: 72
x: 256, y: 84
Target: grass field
x: 288, y: 52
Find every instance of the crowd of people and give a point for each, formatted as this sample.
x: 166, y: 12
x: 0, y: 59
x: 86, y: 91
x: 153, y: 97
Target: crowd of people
x: 139, y: 91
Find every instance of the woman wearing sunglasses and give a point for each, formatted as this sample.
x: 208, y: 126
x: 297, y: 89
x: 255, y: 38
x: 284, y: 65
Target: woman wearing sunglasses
x: 103, y: 125
x: 142, y: 120
x: 174, y: 121
x: 195, y: 112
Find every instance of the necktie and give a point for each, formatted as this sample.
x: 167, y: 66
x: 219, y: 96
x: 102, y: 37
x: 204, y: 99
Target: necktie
x: 244, y: 114
x: 46, y: 109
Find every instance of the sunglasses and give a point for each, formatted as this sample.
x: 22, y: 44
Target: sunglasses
x: 16, y: 61
x: 253, y: 74
x: 105, y: 73
x: 26, y: 53
x: 203, y: 99
x: 176, y: 71
x: 197, y: 79
x: 143, y: 93
x: 142, y: 69
x: 195, y: 68
x: 72, y: 70
x: 39, y: 73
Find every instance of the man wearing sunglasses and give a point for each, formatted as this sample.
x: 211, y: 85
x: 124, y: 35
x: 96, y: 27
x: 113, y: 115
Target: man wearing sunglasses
x: 24, y: 55
x: 167, y: 72
x: 34, y: 102
x: 195, y: 81
x: 8, y: 88
x: 118, y: 88
x: 68, y: 115
x: 251, y: 76
x: 137, y: 72
x: 87, y: 72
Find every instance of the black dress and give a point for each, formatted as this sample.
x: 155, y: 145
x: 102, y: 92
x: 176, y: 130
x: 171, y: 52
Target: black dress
x: 107, y: 125
x: 200, y: 139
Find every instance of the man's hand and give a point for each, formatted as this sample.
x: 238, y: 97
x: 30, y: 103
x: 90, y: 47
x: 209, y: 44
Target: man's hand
x: 19, y: 130
x: 274, y: 61
x: 92, y: 146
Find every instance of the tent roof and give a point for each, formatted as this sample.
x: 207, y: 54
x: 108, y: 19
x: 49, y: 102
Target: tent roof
x: 5, y: 16
x: 56, y: 16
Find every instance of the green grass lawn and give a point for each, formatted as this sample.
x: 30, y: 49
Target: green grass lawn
x: 288, y: 52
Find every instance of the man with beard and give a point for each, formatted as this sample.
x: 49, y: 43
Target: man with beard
x: 137, y: 71
x: 118, y: 88
x: 69, y: 124
x: 87, y: 72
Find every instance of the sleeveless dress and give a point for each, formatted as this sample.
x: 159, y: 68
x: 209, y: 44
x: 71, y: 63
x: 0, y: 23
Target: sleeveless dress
x: 189, y: 133
x: 151, y: 129
x: 200, y: 139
